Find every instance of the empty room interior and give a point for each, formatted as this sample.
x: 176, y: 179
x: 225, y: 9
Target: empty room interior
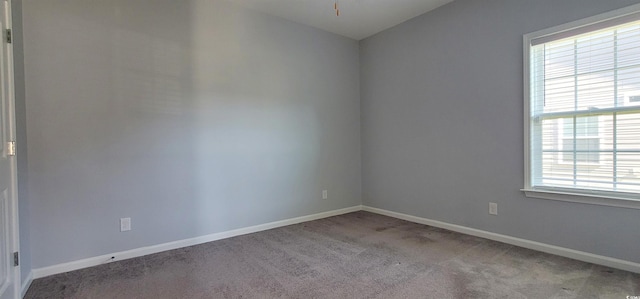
x: 322, y: 149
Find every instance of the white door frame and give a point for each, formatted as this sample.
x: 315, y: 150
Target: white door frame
x: 11, y: 122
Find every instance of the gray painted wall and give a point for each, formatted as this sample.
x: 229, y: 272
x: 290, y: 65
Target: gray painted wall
x: 198, y: 117
x: 21, y: 138
x: 191, y: 117
x: 442, y: 125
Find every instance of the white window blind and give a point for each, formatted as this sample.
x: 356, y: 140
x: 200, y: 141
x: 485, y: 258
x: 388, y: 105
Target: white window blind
x: 584, y: 109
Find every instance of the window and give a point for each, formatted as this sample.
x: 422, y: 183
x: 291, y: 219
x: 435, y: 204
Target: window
x: 582, y: 110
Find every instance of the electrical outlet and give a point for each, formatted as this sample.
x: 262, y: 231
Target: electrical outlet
x: 125, y: 224
x: 493, y: 208
x: 324, y: 194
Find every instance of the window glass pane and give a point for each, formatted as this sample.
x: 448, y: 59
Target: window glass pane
x: 596, y: 175
x: 628, y: 43
x: 586, y: 126
x: 550, y: 135
x: 628, y: 172
x: 555, y: 173
x: 595, y: 53
x: 559, y: 59
x: 586, y: 150
x: 628, y: 132
x: 559, y: 94
x: 596, y: 90
x: 606, y: 132
x: 628, y: 85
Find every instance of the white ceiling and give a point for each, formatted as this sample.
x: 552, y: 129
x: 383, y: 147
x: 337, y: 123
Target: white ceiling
x: 358, y: 18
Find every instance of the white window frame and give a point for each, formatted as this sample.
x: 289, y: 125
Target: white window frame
x: 606, y: 198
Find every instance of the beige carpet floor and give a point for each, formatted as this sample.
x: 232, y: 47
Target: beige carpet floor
x: 356, y: 255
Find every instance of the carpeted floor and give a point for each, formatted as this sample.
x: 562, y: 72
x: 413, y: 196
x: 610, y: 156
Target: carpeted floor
x: 357, y: 255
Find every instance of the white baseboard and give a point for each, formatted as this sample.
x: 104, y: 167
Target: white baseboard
x: 561, y: 251
x: 102, y: 259
x: 26, y: 284
x: 122, y: 255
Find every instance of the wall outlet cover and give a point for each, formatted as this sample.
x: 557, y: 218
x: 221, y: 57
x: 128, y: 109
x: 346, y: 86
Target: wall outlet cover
x: 125, y: 224
x: 493, y: 208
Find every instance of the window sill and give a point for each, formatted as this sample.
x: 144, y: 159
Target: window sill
x: 592, y: 199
